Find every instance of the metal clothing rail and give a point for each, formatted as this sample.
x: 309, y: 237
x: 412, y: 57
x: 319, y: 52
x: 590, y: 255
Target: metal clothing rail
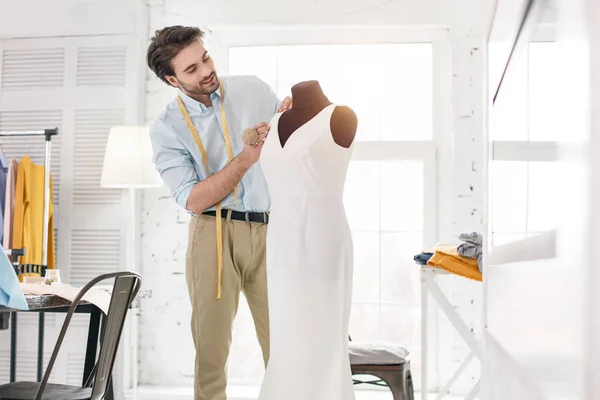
x: 47, y: 133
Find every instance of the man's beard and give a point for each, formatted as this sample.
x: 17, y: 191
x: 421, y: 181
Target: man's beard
x: 198, y: 89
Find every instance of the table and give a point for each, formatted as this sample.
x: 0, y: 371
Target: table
x: 429, y: 285
x: 52, y: 303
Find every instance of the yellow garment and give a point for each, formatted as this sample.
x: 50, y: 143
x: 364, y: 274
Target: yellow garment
x: 447, y: 257
x: 29, y: 214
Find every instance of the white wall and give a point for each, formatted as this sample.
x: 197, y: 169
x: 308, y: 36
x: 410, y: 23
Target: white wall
x: 85, y: 110
x: 334, y: 12
x: 166, y: 348
x: 38, y: 18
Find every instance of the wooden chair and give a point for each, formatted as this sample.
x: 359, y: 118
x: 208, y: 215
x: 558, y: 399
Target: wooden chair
x: 388, y: 362
x: 124, y: 291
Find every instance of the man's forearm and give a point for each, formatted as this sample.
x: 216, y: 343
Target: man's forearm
x: 216, y: 187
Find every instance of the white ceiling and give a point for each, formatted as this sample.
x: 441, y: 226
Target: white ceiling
x: 323, y: 12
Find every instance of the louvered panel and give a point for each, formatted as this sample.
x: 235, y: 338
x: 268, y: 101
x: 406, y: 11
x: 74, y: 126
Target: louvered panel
x: 33, y: 146
x: 75, y: 363
x: 79, y: 320
x: 26, y: 366
x: 91, y: 133
x: 33, y: 69
x: 101, y: 66
x: 94, y: 252
x: 5, y: 365
x: 31, y: 320
x: 56, y: 260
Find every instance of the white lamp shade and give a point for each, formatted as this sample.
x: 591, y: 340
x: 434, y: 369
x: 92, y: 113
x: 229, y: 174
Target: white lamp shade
x: 128, y: 159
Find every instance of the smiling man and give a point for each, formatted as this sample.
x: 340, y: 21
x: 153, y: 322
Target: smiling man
x: 198, y: 150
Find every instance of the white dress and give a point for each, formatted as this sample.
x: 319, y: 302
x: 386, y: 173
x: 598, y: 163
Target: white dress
x: 309, y: 264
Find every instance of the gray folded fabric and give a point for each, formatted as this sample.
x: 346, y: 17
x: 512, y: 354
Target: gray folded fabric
x: 471, y: 246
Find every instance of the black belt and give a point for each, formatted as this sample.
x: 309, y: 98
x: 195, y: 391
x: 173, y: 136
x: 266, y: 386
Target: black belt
x: 242, y: 216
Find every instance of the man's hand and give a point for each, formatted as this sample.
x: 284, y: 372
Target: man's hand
x: 285, y: 105
x: 213, y: 189
x: 251, y: 154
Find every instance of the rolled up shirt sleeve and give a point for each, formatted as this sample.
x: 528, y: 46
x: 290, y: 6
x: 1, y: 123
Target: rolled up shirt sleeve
x: 173, y: 162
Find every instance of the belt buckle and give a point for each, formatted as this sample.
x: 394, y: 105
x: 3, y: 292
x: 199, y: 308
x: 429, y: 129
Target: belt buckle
x: 265, y: 219
x: 247, y: 216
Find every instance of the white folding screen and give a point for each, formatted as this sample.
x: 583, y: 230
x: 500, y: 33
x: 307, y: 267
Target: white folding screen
x: 82, y: 86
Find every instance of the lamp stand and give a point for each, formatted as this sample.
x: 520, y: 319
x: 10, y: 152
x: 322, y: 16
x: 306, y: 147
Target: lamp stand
x: 132, y: 252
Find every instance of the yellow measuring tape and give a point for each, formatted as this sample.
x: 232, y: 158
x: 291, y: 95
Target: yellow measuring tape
x: 198, y: 141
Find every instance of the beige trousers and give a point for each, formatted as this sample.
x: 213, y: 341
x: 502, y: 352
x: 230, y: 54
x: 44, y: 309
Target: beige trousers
x: 244, y: 269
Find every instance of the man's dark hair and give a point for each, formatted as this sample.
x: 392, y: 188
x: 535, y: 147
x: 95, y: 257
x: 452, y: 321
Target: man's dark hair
x: 166, y: 44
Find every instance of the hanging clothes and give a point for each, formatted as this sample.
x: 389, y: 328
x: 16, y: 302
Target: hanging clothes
x: 3, y: 175
x: 9, y: 203
x: 29, y: 221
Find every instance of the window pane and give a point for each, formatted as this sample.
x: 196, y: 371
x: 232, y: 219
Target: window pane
x: 362, y: 195
x: 525, y: 196
x: 355, y: 78
x: 400, y: 277
x: 300, y: 63
x: 509, y: 196
x: 389, y: 86
x: 364, y: 322
x: 257, y: 60
x: 499, y: 239
x: 508, y: 119
x: 544, y: 95
x: 366, y: 267
x: 545, y: 196
x: 401, y: 323
x: 407, y: 92
x: 402, y: 196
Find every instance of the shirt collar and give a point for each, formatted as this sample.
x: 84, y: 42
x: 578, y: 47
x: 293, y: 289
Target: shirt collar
x: 196, y: 105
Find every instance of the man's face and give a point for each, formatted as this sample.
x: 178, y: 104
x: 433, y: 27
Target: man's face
x: 194, y: 71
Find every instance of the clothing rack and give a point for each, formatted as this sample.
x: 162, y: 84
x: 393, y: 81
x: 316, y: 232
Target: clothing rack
x: 47, y: 133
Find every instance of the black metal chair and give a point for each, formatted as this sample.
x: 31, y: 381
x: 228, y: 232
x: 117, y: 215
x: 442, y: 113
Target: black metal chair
x: 125, y: 288
x: 388, y: 363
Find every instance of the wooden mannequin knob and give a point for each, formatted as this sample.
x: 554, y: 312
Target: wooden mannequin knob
x: 250, y: 137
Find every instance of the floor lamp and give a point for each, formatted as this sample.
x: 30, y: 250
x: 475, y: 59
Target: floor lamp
x: 128, y: 165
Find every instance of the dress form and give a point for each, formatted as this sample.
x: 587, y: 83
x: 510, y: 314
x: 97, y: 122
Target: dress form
x: 309, y: 251
x: 308, y: 100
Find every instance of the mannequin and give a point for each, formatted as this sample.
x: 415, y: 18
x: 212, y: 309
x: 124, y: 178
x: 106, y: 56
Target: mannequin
x: 309, y: 249
x: 308, y: 100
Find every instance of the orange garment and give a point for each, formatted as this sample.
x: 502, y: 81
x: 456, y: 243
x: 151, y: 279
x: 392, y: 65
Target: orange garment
x: 29, y: 214
x: 447, y: 257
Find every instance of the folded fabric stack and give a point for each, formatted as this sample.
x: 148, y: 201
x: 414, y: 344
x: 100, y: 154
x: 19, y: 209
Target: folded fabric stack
x: 448, y: 258
x: 463, y: 259
x: 471, y: 246
x: 423, y: 257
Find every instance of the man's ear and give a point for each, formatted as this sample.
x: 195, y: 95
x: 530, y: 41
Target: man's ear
x: 172, y: 80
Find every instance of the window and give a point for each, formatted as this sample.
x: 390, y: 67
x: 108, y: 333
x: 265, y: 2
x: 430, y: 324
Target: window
x: 390, y: 188
x: 525, y: 142
x: 388, y: 85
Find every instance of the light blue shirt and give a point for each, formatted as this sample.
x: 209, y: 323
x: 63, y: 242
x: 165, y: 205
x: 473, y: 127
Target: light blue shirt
x: 248, y: 101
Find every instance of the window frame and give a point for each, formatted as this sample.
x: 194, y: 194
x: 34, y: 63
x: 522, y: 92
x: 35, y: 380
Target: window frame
x: 526, y: 150
x: 222, y: 38
x: 435, y: 154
